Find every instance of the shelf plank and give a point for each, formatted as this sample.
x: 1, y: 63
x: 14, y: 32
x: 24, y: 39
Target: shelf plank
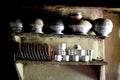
x: 99, y: 63
x: 57, y: 35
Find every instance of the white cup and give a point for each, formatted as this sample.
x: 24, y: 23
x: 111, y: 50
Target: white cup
x: 58, y: 57
x: 75, y: 57
x: 71, y: 51
x: 90, y: 54
x: 81, y: 52
x: 85, y: 58
x: 61, y: 52
x: 62, y: 46
x: 66, y: 58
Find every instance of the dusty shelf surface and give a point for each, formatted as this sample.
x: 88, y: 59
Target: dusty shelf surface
x: 62, y: 62
x: 57, y: 35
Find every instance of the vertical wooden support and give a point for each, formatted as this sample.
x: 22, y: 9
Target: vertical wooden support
x: 19, y: 68
x: 102, y: 69
x: 102, y: 73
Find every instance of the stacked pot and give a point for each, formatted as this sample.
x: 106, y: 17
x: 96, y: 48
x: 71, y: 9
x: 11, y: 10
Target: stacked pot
x: 79, y: 25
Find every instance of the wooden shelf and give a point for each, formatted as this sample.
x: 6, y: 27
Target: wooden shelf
x: 57, y: 35
x: 100, y: 63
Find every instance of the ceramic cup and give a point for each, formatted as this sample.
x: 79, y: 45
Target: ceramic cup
x: 75, y: 57
x: 58, y: 57
x: 62, y: 46
x: 61, y: 52
x: 81, y: 52
x: 85, y: 58
x: 66, y: 58
x: 90, y: 54
x: 71, y: 51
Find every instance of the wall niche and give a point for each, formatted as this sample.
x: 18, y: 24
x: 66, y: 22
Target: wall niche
x: 50, y: 70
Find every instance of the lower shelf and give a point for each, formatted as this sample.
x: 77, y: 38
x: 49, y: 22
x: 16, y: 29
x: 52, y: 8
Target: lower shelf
x: 51, y: 70
x: 63, y: 63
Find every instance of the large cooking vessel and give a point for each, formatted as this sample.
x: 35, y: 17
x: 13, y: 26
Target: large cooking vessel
x: 83, y: 27
x: 103, y: 26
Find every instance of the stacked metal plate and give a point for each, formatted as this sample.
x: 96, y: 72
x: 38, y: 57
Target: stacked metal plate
x: 34, y: 51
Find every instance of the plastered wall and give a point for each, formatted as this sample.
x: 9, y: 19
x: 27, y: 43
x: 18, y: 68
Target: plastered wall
x: 112, y: 48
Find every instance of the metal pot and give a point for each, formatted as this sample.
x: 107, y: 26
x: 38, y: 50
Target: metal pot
x: 103, y: 27
x: 82, y: 27
x: 16, y: 26
x: 57, y: 27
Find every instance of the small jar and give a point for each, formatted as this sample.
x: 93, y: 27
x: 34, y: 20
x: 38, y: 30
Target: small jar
x: 76, y: 15
x: 38, y: 25
x: 16, y: 26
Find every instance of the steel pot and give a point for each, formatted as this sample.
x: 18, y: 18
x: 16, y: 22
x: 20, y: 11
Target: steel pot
x: 103, y: 26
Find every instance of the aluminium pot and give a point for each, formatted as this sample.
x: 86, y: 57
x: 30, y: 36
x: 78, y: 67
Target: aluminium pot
x: 103, y: 26
x: 83, y: 27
